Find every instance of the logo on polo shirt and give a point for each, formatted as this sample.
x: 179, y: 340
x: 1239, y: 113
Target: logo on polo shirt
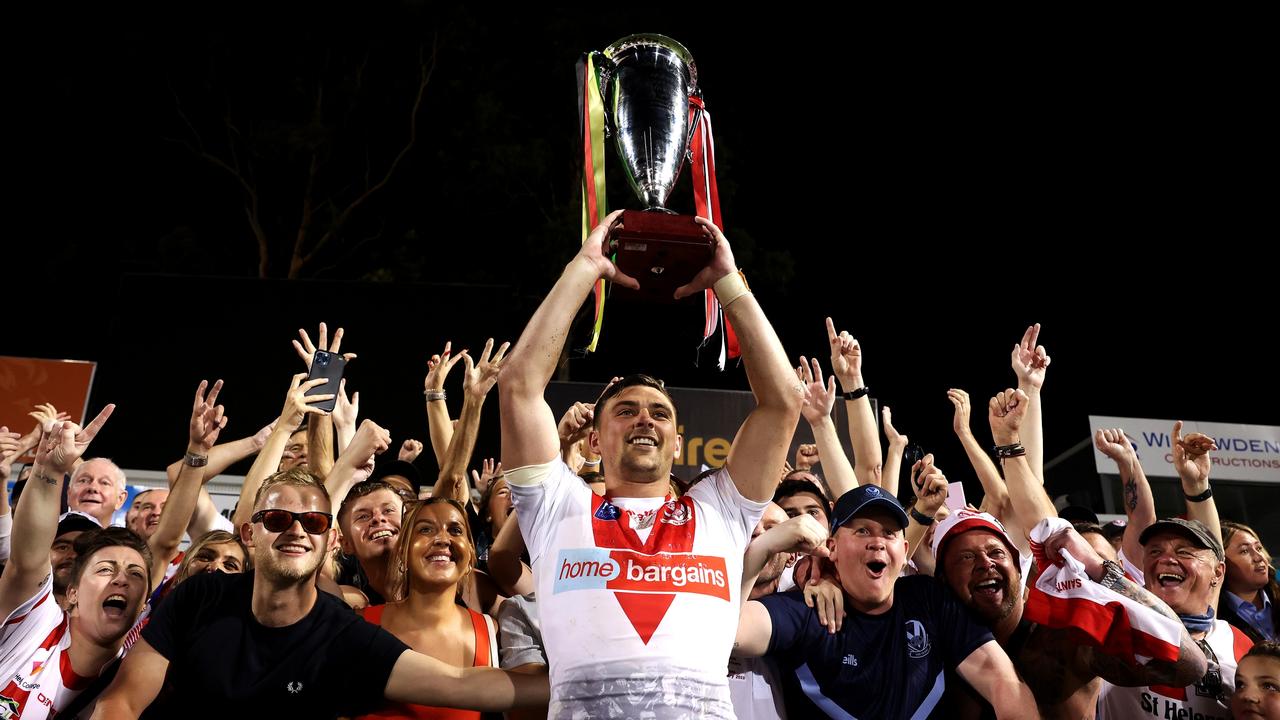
x: 294, y: 688
x: 917, y: 639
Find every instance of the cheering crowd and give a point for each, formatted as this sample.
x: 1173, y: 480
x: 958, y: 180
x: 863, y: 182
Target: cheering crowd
x: 578, y: 578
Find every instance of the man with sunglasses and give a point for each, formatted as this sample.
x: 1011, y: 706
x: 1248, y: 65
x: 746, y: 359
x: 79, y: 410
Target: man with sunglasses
x: 269, y: 642
x: 638, y: 590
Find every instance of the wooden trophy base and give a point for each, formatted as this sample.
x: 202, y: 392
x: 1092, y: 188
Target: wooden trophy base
x: 662, y: 251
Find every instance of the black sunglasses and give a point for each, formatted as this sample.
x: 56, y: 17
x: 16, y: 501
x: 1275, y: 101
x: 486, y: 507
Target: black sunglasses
x: 314, y: 522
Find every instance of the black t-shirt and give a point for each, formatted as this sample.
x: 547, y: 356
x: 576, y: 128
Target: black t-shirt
x: 223, y: 663
x: 877, y: 666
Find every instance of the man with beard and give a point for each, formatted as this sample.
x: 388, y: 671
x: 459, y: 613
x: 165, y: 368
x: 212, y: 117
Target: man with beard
x: 754, y: 685
x: 62, y: 553
x: 48, y: 656
x: 270, y: 643
x: 977, y: 559
x: 658, y: 576
x: 900, y: 635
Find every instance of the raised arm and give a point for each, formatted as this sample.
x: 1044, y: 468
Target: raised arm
x: 528, y: 426
x: 297, y: 405
x: 1191, y: 461
x: 1139, y: 505
x: 1030, y: 362
x: 930, y: 486
x: 207, y: 420
x: 439, y: 426
x: 893, y: 458
x: 819, y: 399
x: 35, y: 527
x: 801, y: 534
x: 759, y: 448
x: 1006, y: 412
x: 346, y: 416
x: 477, y: 380
x: 995, y: 492
x: 225, y: 455
x: 846, y: 364
x: 11, y: 446
x: 356, y: 462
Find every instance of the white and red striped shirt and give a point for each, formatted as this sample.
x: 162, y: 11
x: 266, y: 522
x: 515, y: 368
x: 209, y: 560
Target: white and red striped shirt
x: 35, y: 667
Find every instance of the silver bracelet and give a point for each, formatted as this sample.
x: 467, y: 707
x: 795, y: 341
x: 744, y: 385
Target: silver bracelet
x: 434, y: 395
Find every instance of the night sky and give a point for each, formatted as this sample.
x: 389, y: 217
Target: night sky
x: 935, y: 186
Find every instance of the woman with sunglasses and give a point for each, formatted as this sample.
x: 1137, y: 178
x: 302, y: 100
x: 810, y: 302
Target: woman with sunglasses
x: 1249, y: 602
x: 434, y: 554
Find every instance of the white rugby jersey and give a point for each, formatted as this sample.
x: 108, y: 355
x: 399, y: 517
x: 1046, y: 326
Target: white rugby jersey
x: 635, y: 627
x: 36, y: 679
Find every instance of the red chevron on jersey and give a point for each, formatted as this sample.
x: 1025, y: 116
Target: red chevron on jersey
x: 645, y: 574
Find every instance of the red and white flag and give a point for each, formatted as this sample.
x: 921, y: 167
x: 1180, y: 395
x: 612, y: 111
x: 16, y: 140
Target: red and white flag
x: 1064, y: 597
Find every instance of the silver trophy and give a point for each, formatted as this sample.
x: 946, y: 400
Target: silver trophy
x: 646, y: 83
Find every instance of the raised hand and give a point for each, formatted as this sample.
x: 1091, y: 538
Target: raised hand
x: 722, y: 262
x: 960, y: 421
x: 575, y: 423
x: 307, y: 351
x: 1115, y: 444
x: 929, y: 484
x: 895, y: 438
x: 489, y: 471
x: 66, y: 442
x: 410, y: 449
x: 819, y: 398
x: 479, y: 378
x: 298, y: 404
x: 46, y: 416
x: 438, y: 367
x: 846, y: 357
x: 807, y: 456
x: 370, y: 439
x: 207, y: 419
x: 1029, y: 360
x: 11, y: 447
x: 594, y: 253
x: 1191, y: 456
x: 347, y: 409
x: 1005, y: 412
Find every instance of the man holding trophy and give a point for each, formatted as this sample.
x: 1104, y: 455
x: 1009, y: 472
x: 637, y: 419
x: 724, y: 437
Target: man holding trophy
x: 639, y: 591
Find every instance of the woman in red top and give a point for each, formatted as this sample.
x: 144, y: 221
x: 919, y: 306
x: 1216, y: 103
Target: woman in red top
x: 434, y: 554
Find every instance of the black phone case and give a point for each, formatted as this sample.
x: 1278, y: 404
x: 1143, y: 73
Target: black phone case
x: 329, y: 366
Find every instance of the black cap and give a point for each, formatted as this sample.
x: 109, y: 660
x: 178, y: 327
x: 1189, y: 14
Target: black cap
x: 408, y: 471
x: 1078, y: 514
x: 862, y: 498
x: 73, y: 520
x: 1193, y: 530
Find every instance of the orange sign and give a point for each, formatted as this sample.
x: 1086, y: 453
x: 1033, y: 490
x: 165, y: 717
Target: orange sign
x: 27, y: 382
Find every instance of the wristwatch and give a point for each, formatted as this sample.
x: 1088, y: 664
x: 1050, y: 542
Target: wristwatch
x: 193, y: 460
x: 1112, y: 575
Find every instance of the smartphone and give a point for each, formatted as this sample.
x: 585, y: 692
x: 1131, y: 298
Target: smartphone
x: 329, y: 366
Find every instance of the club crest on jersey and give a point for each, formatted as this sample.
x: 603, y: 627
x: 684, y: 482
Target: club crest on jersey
x: 917, y: 639
x: 8, y: 708
x: 675, y: 513
x: 607, y: 511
